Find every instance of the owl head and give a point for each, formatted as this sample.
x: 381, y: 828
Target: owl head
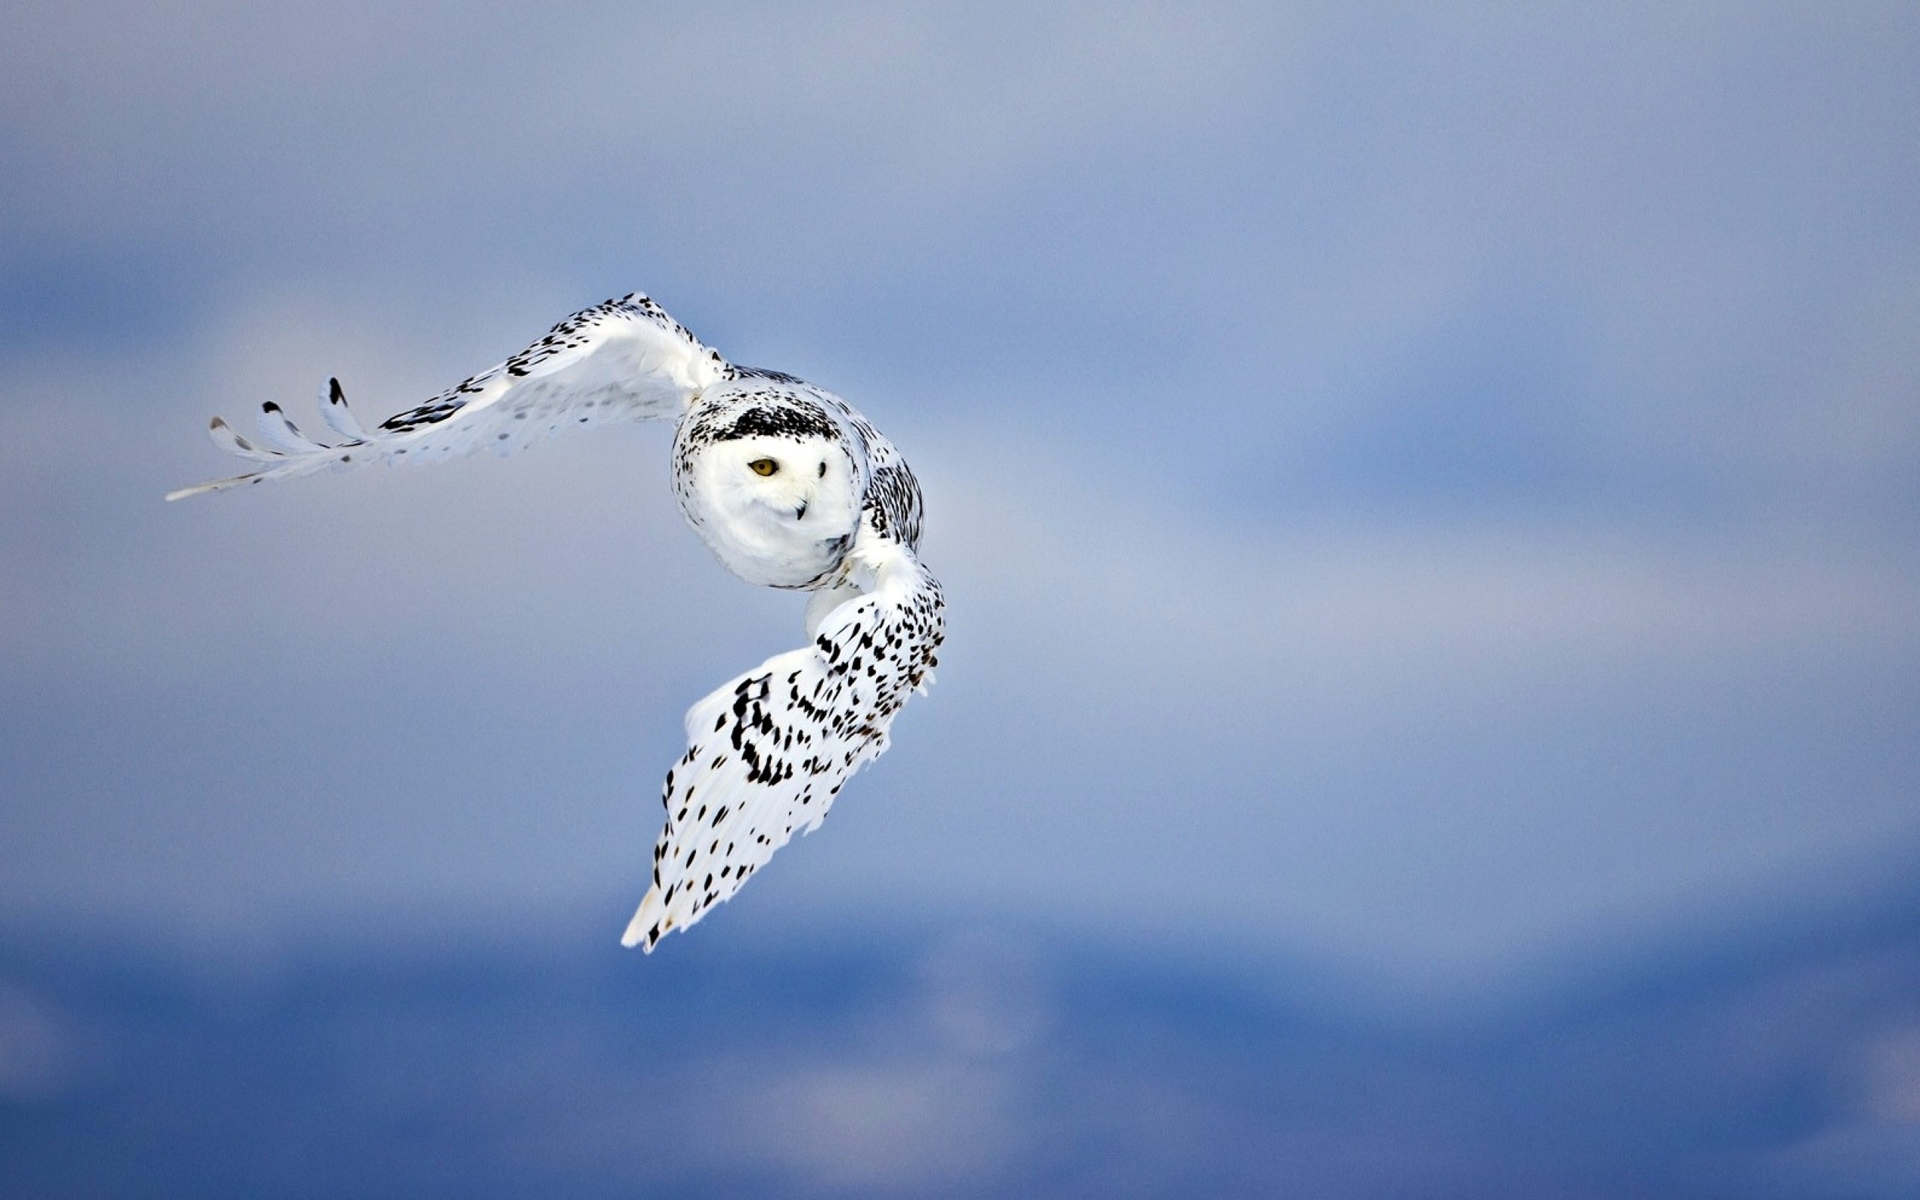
x: 772, y: 489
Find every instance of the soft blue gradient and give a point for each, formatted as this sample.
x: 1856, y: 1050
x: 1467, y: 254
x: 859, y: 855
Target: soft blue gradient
x: 1430, y: 496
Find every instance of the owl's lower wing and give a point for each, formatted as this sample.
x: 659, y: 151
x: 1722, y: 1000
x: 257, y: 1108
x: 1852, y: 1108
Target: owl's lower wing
x: 619, y: 361
x: 769, y: 751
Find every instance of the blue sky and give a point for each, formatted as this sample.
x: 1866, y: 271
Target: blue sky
x: 1431, y: 491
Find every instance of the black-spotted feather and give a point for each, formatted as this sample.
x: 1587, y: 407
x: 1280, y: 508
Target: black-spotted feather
x: 619, y: 361
x: 770, y: 750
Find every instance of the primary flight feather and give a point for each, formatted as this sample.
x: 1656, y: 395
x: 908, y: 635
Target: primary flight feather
x: 789, y: 487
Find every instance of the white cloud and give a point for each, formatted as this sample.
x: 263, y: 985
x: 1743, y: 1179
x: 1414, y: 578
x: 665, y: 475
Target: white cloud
x: 1437, y: 738
x: 1146, y: 250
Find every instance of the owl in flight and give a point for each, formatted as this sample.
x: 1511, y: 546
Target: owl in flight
x: 789, y: 487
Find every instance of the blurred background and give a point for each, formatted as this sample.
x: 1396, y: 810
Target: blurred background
x: 1428, y: 495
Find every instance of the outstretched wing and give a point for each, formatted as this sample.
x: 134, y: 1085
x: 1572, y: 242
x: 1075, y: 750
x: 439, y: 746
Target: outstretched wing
x: 769, y: 751
x: 619, y: 361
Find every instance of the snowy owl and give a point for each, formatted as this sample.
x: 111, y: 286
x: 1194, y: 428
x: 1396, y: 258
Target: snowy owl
x: 789, y: 487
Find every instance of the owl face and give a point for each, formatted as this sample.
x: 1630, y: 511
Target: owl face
x: 777, y: 509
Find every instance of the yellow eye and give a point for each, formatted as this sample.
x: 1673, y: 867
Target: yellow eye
x: 764, y: 466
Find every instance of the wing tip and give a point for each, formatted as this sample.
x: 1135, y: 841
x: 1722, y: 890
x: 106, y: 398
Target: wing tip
x: 216, y: 485
x: 646, y: 929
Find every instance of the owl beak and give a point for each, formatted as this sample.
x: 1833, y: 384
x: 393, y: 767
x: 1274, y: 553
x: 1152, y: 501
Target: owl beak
x: 800, y: 514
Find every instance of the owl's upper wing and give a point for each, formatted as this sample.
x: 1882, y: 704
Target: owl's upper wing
x: 622, y: 360
x: 769, y: 750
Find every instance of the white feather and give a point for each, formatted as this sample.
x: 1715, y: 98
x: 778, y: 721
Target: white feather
x: 786, y: 483
x: 277, y: 431
x: 619, y: 361
x: 340, y: 418
x: 770, y: 749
